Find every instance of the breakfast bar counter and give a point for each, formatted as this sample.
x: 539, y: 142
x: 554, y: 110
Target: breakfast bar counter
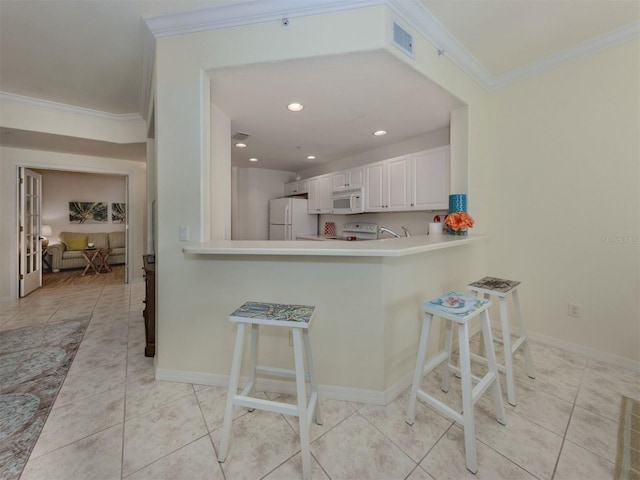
x: 387, y: 247
x: 367, y: 296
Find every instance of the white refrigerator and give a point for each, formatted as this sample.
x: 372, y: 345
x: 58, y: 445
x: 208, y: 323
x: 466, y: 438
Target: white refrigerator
x: 288, y: 218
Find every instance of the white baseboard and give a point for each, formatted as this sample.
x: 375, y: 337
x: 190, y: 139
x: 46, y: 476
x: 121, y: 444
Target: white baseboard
x: 591, y: 353
x: 358, y: 395
x: 588, y: 352
x: 378, y: 397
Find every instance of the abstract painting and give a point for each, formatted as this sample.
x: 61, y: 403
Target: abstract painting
x: 119, y: 212
x: 88, y: 212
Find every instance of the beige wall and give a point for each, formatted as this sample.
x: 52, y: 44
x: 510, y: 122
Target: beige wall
x: 59, y: 188
x: 254, y: 188
x: 191, y: 309
x: 12, y: 158
x: 565, y: 203
x: 519, y: 204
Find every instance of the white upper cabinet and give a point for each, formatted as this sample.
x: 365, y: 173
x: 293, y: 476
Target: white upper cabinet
x: 296, y: 188
x: 430, y: 179
x: 319, y: 189
x: 388, y: 185
x: 349, y: 178
x: 399, y: 183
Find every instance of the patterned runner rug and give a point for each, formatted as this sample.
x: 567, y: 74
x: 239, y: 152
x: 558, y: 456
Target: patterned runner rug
x: 34, y: 362
x: 628, y: 455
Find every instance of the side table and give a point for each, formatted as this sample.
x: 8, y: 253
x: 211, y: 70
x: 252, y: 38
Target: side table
x: 46, y: 259
x: 103, y: 260
x: 90, y: 255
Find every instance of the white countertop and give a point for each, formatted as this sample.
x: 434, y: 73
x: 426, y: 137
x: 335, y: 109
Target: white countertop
x: 387, y: 247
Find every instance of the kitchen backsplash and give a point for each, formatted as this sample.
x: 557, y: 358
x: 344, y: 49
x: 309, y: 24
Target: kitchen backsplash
x: 416, y: 222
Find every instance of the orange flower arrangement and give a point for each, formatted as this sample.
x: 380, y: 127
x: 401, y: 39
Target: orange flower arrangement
x: 459, y: 220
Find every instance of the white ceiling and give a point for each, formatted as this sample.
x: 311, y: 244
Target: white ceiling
x: 89, y: 54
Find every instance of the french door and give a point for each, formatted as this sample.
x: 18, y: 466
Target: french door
x: 29, y: 246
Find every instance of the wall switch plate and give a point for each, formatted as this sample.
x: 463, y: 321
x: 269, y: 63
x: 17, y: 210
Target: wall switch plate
x: 184, y: 233
x: 574, y: 310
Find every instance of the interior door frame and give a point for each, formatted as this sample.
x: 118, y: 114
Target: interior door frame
x: 129, y: 208
x: 28, y: 251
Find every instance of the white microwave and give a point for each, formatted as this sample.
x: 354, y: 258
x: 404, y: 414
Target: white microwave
x: 347, y: 201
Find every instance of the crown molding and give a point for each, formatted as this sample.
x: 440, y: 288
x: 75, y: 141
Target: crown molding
x: 245, y: 13
x: 597, y: 44
x: 412, y: 12
x: 61, y: 107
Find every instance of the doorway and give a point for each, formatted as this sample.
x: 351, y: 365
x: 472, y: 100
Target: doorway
x: 106, y: 199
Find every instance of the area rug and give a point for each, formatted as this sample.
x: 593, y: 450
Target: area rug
x: 34, y: 362
x: 628, y: 455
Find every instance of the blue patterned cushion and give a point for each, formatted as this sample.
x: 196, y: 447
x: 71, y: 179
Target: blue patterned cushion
x: 275, y: 311
x: 458, y: 304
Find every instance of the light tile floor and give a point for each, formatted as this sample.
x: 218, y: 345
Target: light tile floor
x: 112, y: 420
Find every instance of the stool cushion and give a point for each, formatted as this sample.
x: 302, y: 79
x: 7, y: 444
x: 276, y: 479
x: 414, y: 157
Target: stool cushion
x: 456, y: 306
x: 273, y: 312
x: 493, y: 284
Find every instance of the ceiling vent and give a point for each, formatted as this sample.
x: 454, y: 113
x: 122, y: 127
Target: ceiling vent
x: 239, y: 136
x: 402, y: 39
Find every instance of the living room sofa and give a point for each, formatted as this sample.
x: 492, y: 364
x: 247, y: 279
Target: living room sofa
x: 67, y: 252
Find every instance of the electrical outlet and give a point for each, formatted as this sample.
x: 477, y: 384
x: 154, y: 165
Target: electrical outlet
x: 574, y: 310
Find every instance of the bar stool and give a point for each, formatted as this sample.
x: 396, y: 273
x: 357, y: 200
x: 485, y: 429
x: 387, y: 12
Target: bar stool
x: 500, y: 288
x: 298, y: 319
x: 460, y: 309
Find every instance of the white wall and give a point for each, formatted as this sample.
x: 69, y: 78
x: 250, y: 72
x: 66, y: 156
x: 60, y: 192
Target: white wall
x: 254, y: 188
x: 12, y: 158
x: 565, y: 203
x: 60, y: 187
x: 187, y: 320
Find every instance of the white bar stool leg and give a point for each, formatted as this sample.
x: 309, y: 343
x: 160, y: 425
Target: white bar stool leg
x: 253, y: 360
x: 305, y: 452
x: 531, y: 372
x: 448, y: 340
x: 481, y: 348
x: 417, y: 374
x: 312, y: 375
x: 467, y: 398
x: 233, y: 389
x: 493, y: 367
x: 508, y: 353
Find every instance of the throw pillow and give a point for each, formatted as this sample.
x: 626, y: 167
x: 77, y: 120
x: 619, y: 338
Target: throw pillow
x: 76, y: 242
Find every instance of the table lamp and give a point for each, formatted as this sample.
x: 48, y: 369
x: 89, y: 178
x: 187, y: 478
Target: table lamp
x: 46, y: 231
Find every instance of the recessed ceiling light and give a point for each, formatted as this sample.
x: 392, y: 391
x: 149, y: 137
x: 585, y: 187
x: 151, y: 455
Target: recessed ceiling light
x: 311, y: 157
x: 241, y: 145
x: 379, y: 133
x: 295, y: 107
x: 253, y: 159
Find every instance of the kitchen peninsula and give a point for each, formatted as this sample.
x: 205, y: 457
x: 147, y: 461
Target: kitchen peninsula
x: 367, y: 296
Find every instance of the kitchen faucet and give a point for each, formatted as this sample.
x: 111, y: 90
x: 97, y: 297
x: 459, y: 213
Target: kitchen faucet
x: 407, y: 233
x: 382, y: 230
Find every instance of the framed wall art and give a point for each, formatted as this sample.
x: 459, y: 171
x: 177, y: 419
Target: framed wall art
x: 88, y: 212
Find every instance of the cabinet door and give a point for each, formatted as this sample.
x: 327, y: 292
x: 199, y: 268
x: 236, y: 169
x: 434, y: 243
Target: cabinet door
x: 398, y: 170
x: 340, y: 179
x: 290, y: 188
x: 312, y: 204
x: 375, y: 198
x: 324, y: 194
x: 303, y: 186
x: 356, y: 177
x: 431, y: 179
